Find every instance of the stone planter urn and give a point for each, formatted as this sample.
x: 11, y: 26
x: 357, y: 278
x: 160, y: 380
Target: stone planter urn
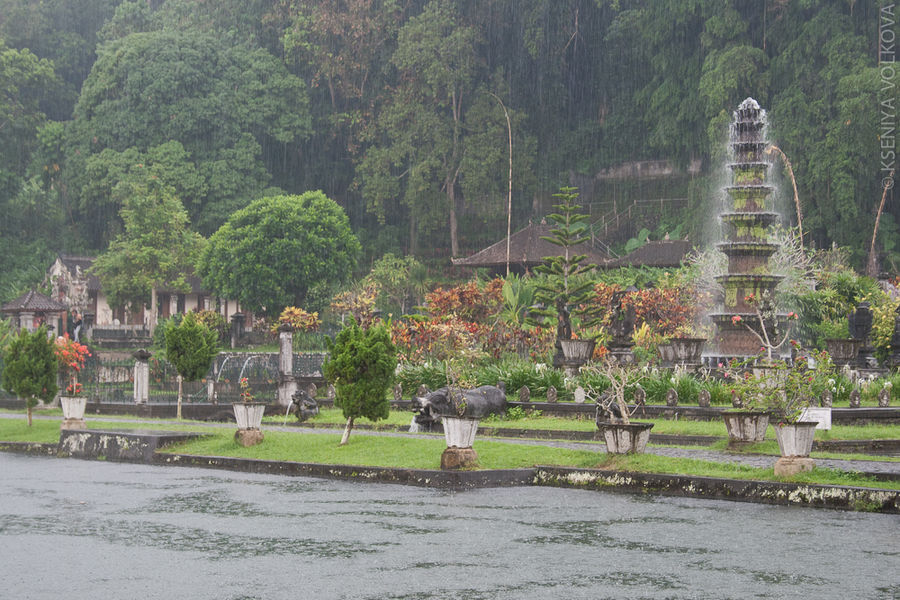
x: 745, y: 426
x: 625, y: 438
x: 579, y: 351
x: 843, y: 351
x: 795, y: 440
x: 73, y: 411
x: 687, y: 350
x: 575, y: 354
x: 249, y: 418
x: 459, y: 432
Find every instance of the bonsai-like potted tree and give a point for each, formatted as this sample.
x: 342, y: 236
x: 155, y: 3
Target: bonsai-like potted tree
x: 29, y: 369
x: 564, y: 290
x: 70, y: 356
x: 361, y: 367
x: 622, y: 435
x: 191, y: 348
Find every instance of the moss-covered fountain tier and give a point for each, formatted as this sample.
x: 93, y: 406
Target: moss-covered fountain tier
x: 748, y: 221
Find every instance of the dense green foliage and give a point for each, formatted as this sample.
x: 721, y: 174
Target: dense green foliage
x: 156, y: 250
x: 397, y: 110
x: 281, y: 251
x: 30, y: 367
x: 191, y: 347
x: 361, y: 368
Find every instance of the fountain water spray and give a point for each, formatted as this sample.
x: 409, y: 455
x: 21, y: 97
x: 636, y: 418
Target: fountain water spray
x: 748, y: 221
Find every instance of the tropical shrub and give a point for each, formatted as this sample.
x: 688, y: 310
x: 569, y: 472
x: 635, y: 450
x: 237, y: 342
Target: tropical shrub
x: 30, y: 368
x: 361, y: 368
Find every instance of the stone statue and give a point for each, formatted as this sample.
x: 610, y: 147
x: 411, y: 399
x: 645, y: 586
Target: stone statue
x: 303, y: 405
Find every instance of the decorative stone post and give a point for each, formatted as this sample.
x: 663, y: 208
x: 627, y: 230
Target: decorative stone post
x: 237, y: 328
x: 142, y: 376
x: 287, y: 383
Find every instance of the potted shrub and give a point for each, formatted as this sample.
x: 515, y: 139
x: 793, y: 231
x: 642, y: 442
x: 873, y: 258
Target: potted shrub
x: 622, y: 435
x: 29, y: 369
x: 564, y: 289
x: 248, y: 415
x: 70, y: 356
x: 748, y: 421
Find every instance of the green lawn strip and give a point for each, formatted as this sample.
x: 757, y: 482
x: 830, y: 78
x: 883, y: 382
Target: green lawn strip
x: 40, y: 432
x: 651, y: 463
x: 770, y: 448
x: 424, y: 453
x: 401, y: 452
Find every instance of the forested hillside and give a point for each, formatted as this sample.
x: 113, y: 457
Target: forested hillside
x: 397, y: 110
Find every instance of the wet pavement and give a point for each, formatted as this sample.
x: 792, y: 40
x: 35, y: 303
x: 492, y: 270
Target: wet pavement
x: 87, y: 530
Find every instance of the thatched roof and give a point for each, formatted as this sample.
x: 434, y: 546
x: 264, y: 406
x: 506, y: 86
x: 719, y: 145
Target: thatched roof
x: 33, y: 302
x: 666, y: 254
x: 526, y: 249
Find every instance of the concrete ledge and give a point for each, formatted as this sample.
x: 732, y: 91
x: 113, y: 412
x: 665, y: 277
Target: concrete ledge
x: 28, y: 448
x: 766, y: 492
x: 417, y: 477
x: 132, y: 445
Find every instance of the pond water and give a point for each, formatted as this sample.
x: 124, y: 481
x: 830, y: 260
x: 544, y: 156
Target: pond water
x: 81, y: 529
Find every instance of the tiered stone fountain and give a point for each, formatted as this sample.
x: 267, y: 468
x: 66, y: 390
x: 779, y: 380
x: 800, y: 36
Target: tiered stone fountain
x: 748, y: 222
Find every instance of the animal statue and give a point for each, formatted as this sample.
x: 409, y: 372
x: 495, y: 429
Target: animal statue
x: 477, y: 403
x: 607, y: 409
x: 303, y: 406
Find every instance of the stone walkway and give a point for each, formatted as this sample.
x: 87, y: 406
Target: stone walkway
x: 753, y: 460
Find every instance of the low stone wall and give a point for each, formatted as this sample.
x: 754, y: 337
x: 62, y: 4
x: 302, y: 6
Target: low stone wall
x: 766, y: 492
x: 129, y: 446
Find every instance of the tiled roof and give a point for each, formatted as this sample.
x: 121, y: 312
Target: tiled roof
x: 33, y: 302
x: 666, y: 253
x: 525, y: 248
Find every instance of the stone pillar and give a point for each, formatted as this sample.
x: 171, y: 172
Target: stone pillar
x: 237, y: 328
x: 287, y: 384
x: 26, y: 321
x: 141, y: 376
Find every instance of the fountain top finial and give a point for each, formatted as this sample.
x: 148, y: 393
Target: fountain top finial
x: 749, y: 103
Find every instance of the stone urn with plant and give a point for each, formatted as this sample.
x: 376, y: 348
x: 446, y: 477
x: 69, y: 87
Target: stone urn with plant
x: 611, y: 381
x: 565, y: 292
x: 248, y: 415
x: 70, y: 356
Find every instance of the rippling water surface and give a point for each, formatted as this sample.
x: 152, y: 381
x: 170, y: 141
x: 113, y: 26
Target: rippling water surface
x: 79, y: 529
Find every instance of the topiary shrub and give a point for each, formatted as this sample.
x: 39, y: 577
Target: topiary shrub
x: 361, y: 368
x: 30, y: 368
x: 191, y: 348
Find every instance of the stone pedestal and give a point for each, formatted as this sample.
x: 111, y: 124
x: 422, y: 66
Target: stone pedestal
x: 141, y: 376
x: 248, y: 437
x: 458, y: 458
x: 786, y: 466
x: 287, y: 385
x: 73, y: 424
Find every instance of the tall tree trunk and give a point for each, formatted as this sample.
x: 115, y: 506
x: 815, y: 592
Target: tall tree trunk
x: 178, y: 411
x: 28, y: 413
x: 454, y: 239
x: 347, y: 431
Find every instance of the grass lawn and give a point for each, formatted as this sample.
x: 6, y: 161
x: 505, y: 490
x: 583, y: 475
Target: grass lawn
x: 424, y: 453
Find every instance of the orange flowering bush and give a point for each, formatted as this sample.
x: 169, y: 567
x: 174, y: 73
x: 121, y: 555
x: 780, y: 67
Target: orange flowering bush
x: 70, y: 355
